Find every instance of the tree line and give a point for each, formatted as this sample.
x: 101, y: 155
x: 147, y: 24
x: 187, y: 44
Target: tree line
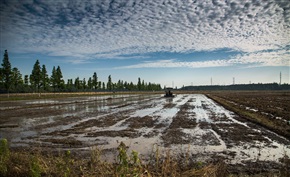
x: 253, y: 86
x: 11, y: 80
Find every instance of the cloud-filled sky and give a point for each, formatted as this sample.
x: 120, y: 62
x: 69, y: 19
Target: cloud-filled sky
x: 180, y: 42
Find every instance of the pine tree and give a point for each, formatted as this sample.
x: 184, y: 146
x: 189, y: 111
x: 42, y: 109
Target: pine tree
x: 26, y: 87
x: 84, y: 84
x: 77, y: 83
x: 53, y: 79
x: 59, y: 80
x: 104, y: 86
x: 35, y: 76
x: 16, y: 79
x: 100, y: 84
x: 69, y: 85
x: 90, y: 85
x: 44, y: 78
x: 109, y: 83
x: 95, y: 81
x: 139, y: 83
x: 6, y: 71
x: 26, y: 80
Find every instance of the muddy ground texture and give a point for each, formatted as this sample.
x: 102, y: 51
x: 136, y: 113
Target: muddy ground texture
x: 190, y: 124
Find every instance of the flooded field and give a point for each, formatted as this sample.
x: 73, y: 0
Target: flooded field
x: 189, y: 124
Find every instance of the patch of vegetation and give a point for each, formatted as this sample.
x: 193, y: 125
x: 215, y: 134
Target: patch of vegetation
x: 36, y: 163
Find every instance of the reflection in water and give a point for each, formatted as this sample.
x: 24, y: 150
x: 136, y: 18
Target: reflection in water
x: 116, y: 116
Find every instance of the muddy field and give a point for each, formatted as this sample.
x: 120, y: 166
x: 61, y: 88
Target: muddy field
x: 190, y: 124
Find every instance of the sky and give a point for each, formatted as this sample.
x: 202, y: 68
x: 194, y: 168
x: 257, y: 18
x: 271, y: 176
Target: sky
x: 172, y: 42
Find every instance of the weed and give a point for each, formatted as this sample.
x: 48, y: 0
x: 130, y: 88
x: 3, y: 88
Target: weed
x: 123, y: 160
x: 128, y: 165
x: 4, y: 156
x: 65, y: 163
x: 35, y: 167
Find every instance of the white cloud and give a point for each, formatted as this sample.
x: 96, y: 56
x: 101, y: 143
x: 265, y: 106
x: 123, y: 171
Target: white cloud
x: 88, y: 29
x: 257, y: 59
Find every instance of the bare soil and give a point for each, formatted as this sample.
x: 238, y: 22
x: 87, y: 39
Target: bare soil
x: 209, y: 131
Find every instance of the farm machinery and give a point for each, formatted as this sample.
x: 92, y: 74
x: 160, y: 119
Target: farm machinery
x: 168, y: 92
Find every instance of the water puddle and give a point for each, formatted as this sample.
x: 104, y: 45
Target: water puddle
x: 193, y: 123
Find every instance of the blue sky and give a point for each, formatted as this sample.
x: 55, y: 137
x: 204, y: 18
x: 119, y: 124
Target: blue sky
x: 180, y: 42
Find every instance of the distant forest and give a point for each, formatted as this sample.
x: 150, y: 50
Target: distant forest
x: 259, y: 86
x: 11, y: 81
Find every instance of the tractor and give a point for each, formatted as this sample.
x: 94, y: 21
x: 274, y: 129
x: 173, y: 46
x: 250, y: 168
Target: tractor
x: 168, y: 92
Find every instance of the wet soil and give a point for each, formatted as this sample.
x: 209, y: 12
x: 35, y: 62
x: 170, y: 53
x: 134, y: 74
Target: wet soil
x: 186, y: 123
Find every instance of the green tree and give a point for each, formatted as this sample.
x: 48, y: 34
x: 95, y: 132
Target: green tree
x: 6, y: 73
x: 109, y: 83
x: 131, y: 86
x: 90, y: 85
x: 69, y: 85
x: 26, y: 87
x: 104, y: 86
x: 44, y: 78
x: 26, y: 81
x: 143, y: 85
x: 59, y: 80
x: 53, y: 79
x: 126, y: 85
x: 35, y: 76
x: 77, y: 83
x: 95, y: 81
x: 139, y: 85
x: 84, y: 84
x: 16, y: 79
x: 99, y: 84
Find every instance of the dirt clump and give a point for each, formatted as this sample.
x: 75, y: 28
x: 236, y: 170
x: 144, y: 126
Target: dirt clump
x: 130, y: 133
x: 139, y: 122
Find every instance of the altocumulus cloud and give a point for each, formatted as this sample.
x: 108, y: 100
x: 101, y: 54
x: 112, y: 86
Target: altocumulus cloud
x: 86, y: 30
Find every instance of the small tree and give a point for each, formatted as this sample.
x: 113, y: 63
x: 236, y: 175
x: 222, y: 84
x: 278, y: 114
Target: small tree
x: 6, y: 73
x: 59, y: 80
x: 139, y: 85
x: 53, y: 79
x: 90, y: 85
x: 103, y: 85
x: 84, y: 84
x: 109, y: 83
x: 44, y: 78
x: 35, y: 76
x: 69, y: 85
x: 100, y: 84
x: 16, y: 79
x: 95, y: 81
x: 77, y: 83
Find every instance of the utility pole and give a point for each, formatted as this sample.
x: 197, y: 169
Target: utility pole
x: 233, y: 80
x: 211, y: 81
x: 280, y: 77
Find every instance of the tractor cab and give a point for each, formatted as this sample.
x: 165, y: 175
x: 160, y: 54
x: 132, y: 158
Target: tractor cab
x: 168, y: 92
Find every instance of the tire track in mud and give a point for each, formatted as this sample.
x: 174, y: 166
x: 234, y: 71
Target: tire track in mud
x: 114, y: 113
x: 196, y: 121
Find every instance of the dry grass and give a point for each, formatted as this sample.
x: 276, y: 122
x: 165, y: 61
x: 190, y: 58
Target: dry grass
x: 37, y: 163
